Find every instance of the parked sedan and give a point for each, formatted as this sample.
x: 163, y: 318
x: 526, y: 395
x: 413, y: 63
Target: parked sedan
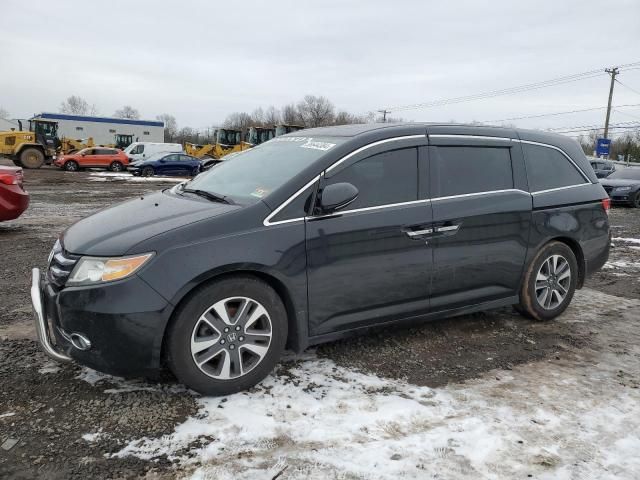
x: 13, y: 199
x: 623, y: 186
x: 97, y: 157
x: 172, y: 164
x: 603, y: 168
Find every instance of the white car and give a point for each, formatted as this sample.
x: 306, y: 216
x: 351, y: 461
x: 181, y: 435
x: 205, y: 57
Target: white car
x: 143, y: 150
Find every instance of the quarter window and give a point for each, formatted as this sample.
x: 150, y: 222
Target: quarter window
x: 547, y: 168
x: 382, y: 179
x: 463, y: 170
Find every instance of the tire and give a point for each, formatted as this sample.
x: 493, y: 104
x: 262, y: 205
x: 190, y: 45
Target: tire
x: 148, y: 172
x: 116, y: 167
x: 71, y: 166
x: 541, y: 276
x: 31, y: 158
x: 636, y: 200
x: 248, y: 358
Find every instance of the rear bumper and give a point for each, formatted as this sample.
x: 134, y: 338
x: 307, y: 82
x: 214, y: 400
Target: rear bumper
x: 114, y: 328
x: 13, y: 201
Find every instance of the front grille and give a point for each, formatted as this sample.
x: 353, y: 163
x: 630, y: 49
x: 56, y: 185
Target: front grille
x: 60, y: 266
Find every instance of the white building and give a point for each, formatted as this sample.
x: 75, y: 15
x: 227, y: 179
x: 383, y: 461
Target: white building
x: 104, y: 129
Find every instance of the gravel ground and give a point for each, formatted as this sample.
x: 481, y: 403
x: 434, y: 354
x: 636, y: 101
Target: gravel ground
x: 64, y: 421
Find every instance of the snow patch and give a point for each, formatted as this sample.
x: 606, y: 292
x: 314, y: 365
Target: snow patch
x: 49, y: 367
x: 314, y: 419
x: 109, y: 176
x: 94, y: 437
x: 8, y: 414
x: 122, y: 385
x: 626, y: 240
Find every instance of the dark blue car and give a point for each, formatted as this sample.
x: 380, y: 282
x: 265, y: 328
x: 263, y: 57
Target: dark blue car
x: 172, y: 164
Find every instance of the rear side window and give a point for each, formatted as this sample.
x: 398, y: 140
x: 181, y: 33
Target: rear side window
x: 382, y: 179
x: 547, y: 168
x: 463, y: 170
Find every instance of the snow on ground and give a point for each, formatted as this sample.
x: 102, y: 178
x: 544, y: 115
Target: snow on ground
x: 110, y: 176
x: 556, y: 419
x: 626, y: 240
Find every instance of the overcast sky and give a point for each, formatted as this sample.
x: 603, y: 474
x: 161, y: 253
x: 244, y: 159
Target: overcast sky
x: 202, y: 60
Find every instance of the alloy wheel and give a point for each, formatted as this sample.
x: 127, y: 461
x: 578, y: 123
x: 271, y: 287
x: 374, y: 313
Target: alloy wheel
x: 553, y: 282
x: 231, y: 338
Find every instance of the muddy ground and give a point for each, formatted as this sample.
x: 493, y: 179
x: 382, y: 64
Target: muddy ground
x: 47, y: 410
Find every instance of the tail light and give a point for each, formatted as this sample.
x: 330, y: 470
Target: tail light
x: 8, y: 179
x: 606, y: 204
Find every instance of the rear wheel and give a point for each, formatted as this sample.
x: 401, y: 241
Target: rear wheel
x: 116, y: 166
x: 31, y: 158
x: 148, y: 172
x: 71, y: 166
x: 549, y: 282
x: 228, y: 336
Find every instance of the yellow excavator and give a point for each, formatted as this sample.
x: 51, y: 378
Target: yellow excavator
x: 31, y: 148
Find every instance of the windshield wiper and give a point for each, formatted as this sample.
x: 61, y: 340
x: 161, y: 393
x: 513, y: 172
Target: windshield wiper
x: 214, y: 197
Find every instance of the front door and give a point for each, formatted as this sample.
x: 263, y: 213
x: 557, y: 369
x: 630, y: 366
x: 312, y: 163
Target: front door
x: 481, y: 220
x: 370, y: 262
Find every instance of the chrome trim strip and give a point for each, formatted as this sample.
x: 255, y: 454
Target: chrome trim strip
x: 478, y: 137
x: 42, y: 328
x: 560, y: 188
x: 366, y: 209
x: 267, y: 221
x: 374, y: 144
x: 515, y: 190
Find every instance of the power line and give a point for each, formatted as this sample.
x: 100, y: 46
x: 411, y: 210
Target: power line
x: 625, y: 113
x: 627, y: 86
x: 540, y: 115
x: 504, y: 91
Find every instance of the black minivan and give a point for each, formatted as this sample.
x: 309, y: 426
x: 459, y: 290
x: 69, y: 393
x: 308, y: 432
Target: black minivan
x: 317, y: 235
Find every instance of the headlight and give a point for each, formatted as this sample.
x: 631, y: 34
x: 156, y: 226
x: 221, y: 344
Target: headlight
x: 100, y: 269
x: 623, y: 189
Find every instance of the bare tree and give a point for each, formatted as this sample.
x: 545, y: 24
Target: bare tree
x: 127, y: 112
x: 257, y: 117
x: 316, y: 111
x: 238, y: 120
x: 290, y: 115
x: 76, y: 105
x: 3, y: 113
x: 170, y: 126
x: 271, y: 116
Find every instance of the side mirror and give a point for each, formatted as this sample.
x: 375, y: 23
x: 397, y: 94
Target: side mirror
x: 337, y: 196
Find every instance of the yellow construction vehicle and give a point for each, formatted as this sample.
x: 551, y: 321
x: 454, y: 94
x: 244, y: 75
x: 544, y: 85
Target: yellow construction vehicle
x: 123, y: 140
x: 70, y: 145
x: 228, y: 141
x: 284, y: 129
x: 32, y: 148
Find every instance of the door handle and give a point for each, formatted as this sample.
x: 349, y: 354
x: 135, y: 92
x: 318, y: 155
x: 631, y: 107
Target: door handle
x: 419, y: 233
x: 448, y: 228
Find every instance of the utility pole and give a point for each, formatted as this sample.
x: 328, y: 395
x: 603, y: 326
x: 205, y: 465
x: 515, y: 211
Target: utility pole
x: 613, y: 72
x: 384, y: 115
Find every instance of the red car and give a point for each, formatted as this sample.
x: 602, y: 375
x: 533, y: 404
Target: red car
x: 94, y: 157
x: 13, y: 199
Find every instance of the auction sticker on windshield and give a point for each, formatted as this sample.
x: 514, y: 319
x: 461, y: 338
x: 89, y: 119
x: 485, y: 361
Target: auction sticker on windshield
x: 259, y: 192
x: 306, y: 142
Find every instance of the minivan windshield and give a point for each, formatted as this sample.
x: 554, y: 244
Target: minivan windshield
x: 631, y: 173
x: 254, y: 174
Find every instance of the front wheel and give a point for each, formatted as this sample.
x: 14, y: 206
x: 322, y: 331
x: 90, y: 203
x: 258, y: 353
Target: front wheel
x: 549, y: 283
x: 228, y: 336
x: 636, y: 200
x: 71, y: 166
x: 148, y: 172
x: 116, y: 166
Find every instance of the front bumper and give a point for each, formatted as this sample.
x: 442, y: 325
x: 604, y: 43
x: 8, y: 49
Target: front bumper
x: 116, y: 328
